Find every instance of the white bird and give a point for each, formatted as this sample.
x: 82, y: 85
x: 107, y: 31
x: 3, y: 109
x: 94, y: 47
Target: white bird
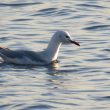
x: 47, y: 56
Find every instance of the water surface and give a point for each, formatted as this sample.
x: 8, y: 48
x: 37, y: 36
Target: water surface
x: 82, y: 82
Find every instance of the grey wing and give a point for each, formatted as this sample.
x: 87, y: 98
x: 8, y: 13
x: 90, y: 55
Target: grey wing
x: 5, y: 52
x: 20, y: 55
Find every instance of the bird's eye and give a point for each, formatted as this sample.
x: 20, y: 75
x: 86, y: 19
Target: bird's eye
x: 67, y: 36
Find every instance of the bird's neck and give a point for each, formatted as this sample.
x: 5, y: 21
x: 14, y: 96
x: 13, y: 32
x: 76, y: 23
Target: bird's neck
x: 51, y: 53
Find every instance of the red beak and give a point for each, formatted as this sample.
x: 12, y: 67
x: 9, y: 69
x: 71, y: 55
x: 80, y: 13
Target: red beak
x: 74, y: 42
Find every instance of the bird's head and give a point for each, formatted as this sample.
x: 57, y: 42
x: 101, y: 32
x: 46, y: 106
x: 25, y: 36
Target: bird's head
x: 65, y: 38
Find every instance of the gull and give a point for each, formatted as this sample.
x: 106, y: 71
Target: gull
x: 47, y: 56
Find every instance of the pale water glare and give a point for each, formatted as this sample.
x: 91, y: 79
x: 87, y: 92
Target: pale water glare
x: 82, y: 81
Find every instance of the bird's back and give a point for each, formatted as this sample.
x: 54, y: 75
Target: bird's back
x: 21, y: 56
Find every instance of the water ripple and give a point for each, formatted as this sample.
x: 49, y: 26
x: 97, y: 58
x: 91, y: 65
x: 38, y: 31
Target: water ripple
x: 19, y: 20
x: 4, y: 106
x: 97, y: 27
x: 53, y: 12
x: 105, y: 98
x: 91, y: 6
x: 38, y: 107
x: 18, y: 4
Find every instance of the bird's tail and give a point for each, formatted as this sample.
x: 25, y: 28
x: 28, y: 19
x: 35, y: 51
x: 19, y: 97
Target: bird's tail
x: 2, y: 49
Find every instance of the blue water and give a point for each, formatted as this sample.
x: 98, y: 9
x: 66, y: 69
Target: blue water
x: 82, y: 80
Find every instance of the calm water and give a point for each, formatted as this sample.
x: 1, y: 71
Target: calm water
x: 82, y: 81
